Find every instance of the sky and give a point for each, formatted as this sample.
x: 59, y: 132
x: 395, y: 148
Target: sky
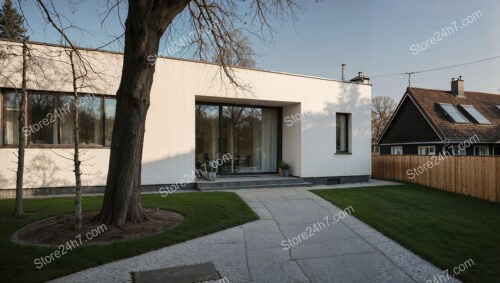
x: 381, y: 38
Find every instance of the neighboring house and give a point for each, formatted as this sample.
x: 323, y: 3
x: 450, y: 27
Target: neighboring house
x: 320, y: 126
x: 429, y: 121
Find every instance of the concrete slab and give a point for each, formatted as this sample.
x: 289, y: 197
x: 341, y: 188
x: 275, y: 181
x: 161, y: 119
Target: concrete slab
x: 329, y: 249
x: 337, y: 231
x: 262, y: 234
x: 291, y: 194
x: 288, y: 271
x: 288, y: 212
x: 255, y: 204
x: 369, y: 267
x: 181, y: 274
x: 263, y: 213
x: 258, y: 258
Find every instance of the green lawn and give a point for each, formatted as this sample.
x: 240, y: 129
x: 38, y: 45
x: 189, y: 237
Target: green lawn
x: 446, y: 229
x: 204, y: 213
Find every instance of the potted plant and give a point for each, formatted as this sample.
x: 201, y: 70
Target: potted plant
x: 284, y: 169
x: 211, y: 174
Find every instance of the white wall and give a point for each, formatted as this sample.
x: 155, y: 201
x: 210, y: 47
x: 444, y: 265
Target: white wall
x: 308, y: 145
x: 291, y: 143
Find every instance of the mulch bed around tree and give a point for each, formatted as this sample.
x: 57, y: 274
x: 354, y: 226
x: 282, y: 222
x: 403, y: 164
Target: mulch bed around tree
x: 58, y: 230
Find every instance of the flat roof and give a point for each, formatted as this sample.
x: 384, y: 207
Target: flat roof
x: 186, y: 60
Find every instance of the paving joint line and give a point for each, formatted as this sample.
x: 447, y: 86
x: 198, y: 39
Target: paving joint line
x: 289, y: 250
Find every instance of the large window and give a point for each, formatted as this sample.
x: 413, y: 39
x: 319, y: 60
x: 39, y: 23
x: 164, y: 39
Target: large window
x: 90, y: 119
x: 42, y: 119
x: 50, y: 119
x: 342, y: 128
x: 207, y: 134
x: 248, y: 134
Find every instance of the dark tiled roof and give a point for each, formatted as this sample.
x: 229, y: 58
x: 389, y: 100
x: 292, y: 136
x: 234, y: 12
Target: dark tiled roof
x: 486, y: 103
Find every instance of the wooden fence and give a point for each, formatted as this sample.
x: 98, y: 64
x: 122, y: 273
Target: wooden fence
x: 475, y: 176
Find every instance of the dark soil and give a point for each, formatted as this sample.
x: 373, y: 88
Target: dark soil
x: 59, y: 230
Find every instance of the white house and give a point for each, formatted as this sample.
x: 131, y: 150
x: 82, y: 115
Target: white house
x: 320, y: 126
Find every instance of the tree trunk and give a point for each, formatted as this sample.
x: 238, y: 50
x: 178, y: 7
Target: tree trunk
x: 145, y: 24
x: 76, y: 156
x: 22, y: 138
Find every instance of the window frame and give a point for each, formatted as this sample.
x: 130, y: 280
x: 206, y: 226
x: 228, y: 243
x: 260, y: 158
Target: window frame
x: 469, y: 109
x: 482, y: 146
x: 3, y: 112
x: 396, y: 147
x: 427, y: 147
x: 450, y: 114
x: 458, y: 151
x: 347, y: 132
x: 58, y: 94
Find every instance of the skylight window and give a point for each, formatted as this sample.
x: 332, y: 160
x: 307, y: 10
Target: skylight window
x: 476, y: 115
x: 453, y: 113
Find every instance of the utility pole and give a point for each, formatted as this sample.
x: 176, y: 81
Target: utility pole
x: 409, y: 77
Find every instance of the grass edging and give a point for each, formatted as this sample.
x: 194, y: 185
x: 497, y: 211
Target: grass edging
x: 204, y: 213
x: 442, y: 227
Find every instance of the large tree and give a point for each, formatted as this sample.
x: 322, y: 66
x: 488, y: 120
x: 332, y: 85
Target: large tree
x: 146, y: 23
x: 215, y: 25
x: 11, y: 22
x: 240, y: 54
x: 382, y: 110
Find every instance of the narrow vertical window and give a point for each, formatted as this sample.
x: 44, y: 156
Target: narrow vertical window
x: 109, y: 119
x: 65, y: 120
x: 342, y: 133
x: 11, y: 112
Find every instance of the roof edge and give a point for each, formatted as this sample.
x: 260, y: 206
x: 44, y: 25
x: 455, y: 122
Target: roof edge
x: 186, y: 60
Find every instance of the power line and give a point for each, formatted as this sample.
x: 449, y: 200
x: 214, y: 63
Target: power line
x: 435, y: 69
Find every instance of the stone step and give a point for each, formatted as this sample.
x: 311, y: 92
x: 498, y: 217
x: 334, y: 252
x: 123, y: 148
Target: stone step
x: 221, y: 184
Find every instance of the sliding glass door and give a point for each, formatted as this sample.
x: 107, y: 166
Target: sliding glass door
x: 248, y: 134
x: 207, y: 134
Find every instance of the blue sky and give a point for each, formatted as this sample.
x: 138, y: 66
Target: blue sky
x: 370, y: 36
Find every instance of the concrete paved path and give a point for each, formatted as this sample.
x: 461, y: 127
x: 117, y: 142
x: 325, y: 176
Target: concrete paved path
x: 344, y: 251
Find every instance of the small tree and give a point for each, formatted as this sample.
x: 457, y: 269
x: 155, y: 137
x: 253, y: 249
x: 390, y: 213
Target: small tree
x: 12, y: 27
x: 76, y: 156
x: 11, y: 22
x: 22, y: 138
